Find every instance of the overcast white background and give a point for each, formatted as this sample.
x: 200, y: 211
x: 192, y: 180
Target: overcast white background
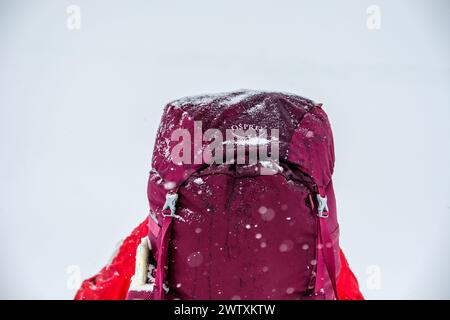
x: 79, y: 111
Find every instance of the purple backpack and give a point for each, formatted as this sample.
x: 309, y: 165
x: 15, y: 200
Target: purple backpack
x: 227, y: 225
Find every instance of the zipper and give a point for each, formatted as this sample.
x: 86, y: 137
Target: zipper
x: 288, y: 171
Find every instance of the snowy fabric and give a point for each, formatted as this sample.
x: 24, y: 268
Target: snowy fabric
x: 240, y: 232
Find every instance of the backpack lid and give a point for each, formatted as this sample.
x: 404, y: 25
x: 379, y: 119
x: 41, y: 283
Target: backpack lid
x: 304, y: 133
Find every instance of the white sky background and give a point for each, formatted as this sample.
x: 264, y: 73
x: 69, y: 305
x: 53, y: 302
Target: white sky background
x: 79, y: 111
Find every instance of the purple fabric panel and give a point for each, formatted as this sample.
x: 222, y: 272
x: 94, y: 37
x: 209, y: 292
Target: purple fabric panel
x: 252, y: 238
x: 312, y: 147
x: 139, y: 295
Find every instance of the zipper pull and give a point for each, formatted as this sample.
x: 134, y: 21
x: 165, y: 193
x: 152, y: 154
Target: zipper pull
x: 322, y: 206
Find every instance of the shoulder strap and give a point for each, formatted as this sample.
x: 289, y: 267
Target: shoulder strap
x: 326, y: 243
x: 165, y: 235
x: 161, y: 270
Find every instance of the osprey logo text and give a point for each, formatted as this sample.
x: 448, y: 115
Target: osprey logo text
x: 243, y: 144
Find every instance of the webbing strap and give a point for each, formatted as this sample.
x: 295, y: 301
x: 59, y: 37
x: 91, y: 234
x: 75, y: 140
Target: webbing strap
x: 327, y: 248
x: 161, y: 269
x: 165, y: 235
x: 328, y: 253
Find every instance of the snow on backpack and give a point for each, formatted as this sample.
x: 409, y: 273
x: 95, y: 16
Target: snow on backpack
x: 241, y: 206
